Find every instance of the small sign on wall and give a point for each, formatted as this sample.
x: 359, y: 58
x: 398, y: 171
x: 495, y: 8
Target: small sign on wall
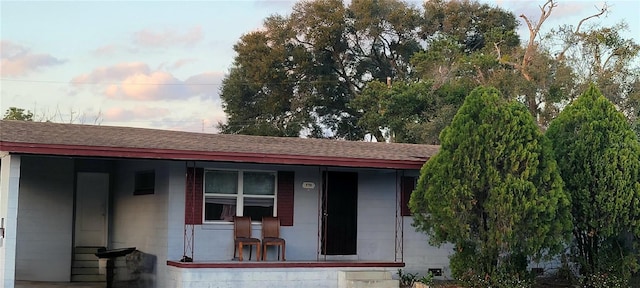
x: 308, y: 185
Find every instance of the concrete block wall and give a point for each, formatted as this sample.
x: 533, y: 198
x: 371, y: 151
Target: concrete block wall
x: 45, y: 219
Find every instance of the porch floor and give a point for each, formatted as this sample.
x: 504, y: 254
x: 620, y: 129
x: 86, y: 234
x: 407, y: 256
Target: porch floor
x: 285, y: 264
x: 37, y: 284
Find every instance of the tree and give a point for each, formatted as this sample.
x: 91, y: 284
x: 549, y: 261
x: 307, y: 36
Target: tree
x: 599, y: 159
x: 14, y: 113
x: 313, y: 63
x: 493, y: 190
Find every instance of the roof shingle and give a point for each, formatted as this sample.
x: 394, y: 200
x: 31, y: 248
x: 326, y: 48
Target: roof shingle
x: 73, y: 139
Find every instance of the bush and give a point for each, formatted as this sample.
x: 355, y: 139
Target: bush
x: 603, y: 280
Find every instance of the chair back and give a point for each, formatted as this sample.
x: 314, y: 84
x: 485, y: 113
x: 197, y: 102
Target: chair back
x: 241, y: 227
x: 270, y: 227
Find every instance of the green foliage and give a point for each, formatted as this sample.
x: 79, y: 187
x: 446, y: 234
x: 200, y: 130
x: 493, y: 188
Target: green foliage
x: 493, y: 189
x: 14, y: 113
x: 407, y: 279
x: 599, y: 159
x: 603, y: 280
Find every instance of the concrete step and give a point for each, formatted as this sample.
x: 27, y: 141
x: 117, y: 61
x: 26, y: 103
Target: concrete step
x: 87, y: 249
x: 373, y: 283
x: 89, y: 278
x: 84, y: 257
x: 85, y: 271
x: 85, y: 264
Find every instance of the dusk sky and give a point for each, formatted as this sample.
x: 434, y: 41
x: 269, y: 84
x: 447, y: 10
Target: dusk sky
x: 159, y: 64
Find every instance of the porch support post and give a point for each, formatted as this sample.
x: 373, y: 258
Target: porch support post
x: 9, y: 188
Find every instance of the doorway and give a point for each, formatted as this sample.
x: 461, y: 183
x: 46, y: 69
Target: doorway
x: 340, y: 213
x: 92, y: 194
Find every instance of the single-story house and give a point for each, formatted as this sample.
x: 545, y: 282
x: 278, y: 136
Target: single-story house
x: 67, y: 190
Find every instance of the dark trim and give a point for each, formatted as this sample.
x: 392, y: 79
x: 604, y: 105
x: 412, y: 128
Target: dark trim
x: 146, y: 153
x: 282, y: 264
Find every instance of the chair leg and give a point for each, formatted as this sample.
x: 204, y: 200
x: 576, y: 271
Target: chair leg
x: 240, y: 251
x: 259, y: 254
x: 250, y: 250
x: 284, y: 247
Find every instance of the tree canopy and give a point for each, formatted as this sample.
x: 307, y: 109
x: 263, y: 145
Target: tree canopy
x: 318, y: 71
x: 599, y: 159
x: 14, y: 113
x: 493, y: 189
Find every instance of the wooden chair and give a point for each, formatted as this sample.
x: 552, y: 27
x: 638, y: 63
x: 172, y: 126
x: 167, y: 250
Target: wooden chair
x: 242, y: 236
x: 271, y: 236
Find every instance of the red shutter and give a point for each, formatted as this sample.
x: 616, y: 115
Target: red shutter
x: 407, y: 185
x: 286, y: 187
x: 194, y: 197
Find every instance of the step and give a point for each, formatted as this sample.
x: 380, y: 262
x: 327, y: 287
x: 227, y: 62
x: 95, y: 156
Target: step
x: 85, y: 264
x: 89, y: 278
x: 373, y: 283
x: 87, y: 249
x: 85, y: 271
x: 365, y: 275
x: 85, y: 257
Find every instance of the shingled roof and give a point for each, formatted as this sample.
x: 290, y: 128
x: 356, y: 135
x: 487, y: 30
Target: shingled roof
x: 46, y: 138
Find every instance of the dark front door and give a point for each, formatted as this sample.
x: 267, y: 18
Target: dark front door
x: 340, y: 213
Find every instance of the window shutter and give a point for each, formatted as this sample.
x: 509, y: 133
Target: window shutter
x: 408, y: 184
x: 286, y: 187
x: 194, y: 196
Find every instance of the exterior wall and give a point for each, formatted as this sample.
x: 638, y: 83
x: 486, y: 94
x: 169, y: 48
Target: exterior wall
x: 259, y: 278
x: 9, y: 186
x: 419, y: 256
x: 141, y: 220
x: 44, y: 234
x: 376, y: 215
x: 214, y: 241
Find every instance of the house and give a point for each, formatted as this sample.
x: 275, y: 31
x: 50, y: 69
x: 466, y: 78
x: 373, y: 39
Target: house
x: 171, y: 195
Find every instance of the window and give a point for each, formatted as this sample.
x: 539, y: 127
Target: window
x: 144, y: 182
x: 228, y: 193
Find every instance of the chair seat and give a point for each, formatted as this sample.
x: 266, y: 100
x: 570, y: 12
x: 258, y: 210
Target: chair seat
x: 247, y: 240
x: 272, y: 240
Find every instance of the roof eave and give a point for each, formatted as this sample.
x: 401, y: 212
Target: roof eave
x: 170, y: 154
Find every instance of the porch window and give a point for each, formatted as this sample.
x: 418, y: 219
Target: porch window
x: 228, y: 193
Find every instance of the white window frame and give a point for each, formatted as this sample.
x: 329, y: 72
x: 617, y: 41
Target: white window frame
x: 240, y: 195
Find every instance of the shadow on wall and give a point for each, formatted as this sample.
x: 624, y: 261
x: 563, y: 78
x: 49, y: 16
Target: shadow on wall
x: 139, y: 271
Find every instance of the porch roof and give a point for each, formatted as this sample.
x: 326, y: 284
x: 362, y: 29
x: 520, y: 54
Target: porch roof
x: 47, y: 138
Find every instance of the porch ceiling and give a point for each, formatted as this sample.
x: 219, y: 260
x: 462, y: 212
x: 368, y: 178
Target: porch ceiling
x: 125, y: 142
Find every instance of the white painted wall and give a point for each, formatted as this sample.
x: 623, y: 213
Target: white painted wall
x: 376, y: 215
x: 259, y: 278
x: 141, y: 221
x: 9, y: 185
x: 45, y: 219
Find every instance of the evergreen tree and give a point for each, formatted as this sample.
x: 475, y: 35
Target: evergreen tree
x: 599, y: 159
x: 493, y: 190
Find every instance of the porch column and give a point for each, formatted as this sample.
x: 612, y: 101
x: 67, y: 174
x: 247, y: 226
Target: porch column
x: 9, y: 187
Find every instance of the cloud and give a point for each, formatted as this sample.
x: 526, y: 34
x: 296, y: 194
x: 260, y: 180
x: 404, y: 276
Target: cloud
x: 107, y: 50
x: 166, y: 38
x: 182, y: 62
x: 136, y: 81
x: 18, y: 60
x: 136, y: 113
x: 114, y: 73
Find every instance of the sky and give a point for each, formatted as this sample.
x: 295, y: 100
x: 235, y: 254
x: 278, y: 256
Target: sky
x: 160, y: 64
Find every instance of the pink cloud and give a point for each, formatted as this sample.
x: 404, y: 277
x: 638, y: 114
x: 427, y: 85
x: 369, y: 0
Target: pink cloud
x: 17, y: 60
x: 168, y: 37
x: 182, y: 62
x: 138, y: 112
x: 136, y: 81
x: 113, y: 73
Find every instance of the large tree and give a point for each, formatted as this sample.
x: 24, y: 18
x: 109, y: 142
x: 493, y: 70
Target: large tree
x: 493, y: 189
x: 312, y: 63
x: 599, y: 159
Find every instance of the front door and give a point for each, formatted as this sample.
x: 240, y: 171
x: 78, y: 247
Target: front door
x: 340, y: 213
x: 92, y: 194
